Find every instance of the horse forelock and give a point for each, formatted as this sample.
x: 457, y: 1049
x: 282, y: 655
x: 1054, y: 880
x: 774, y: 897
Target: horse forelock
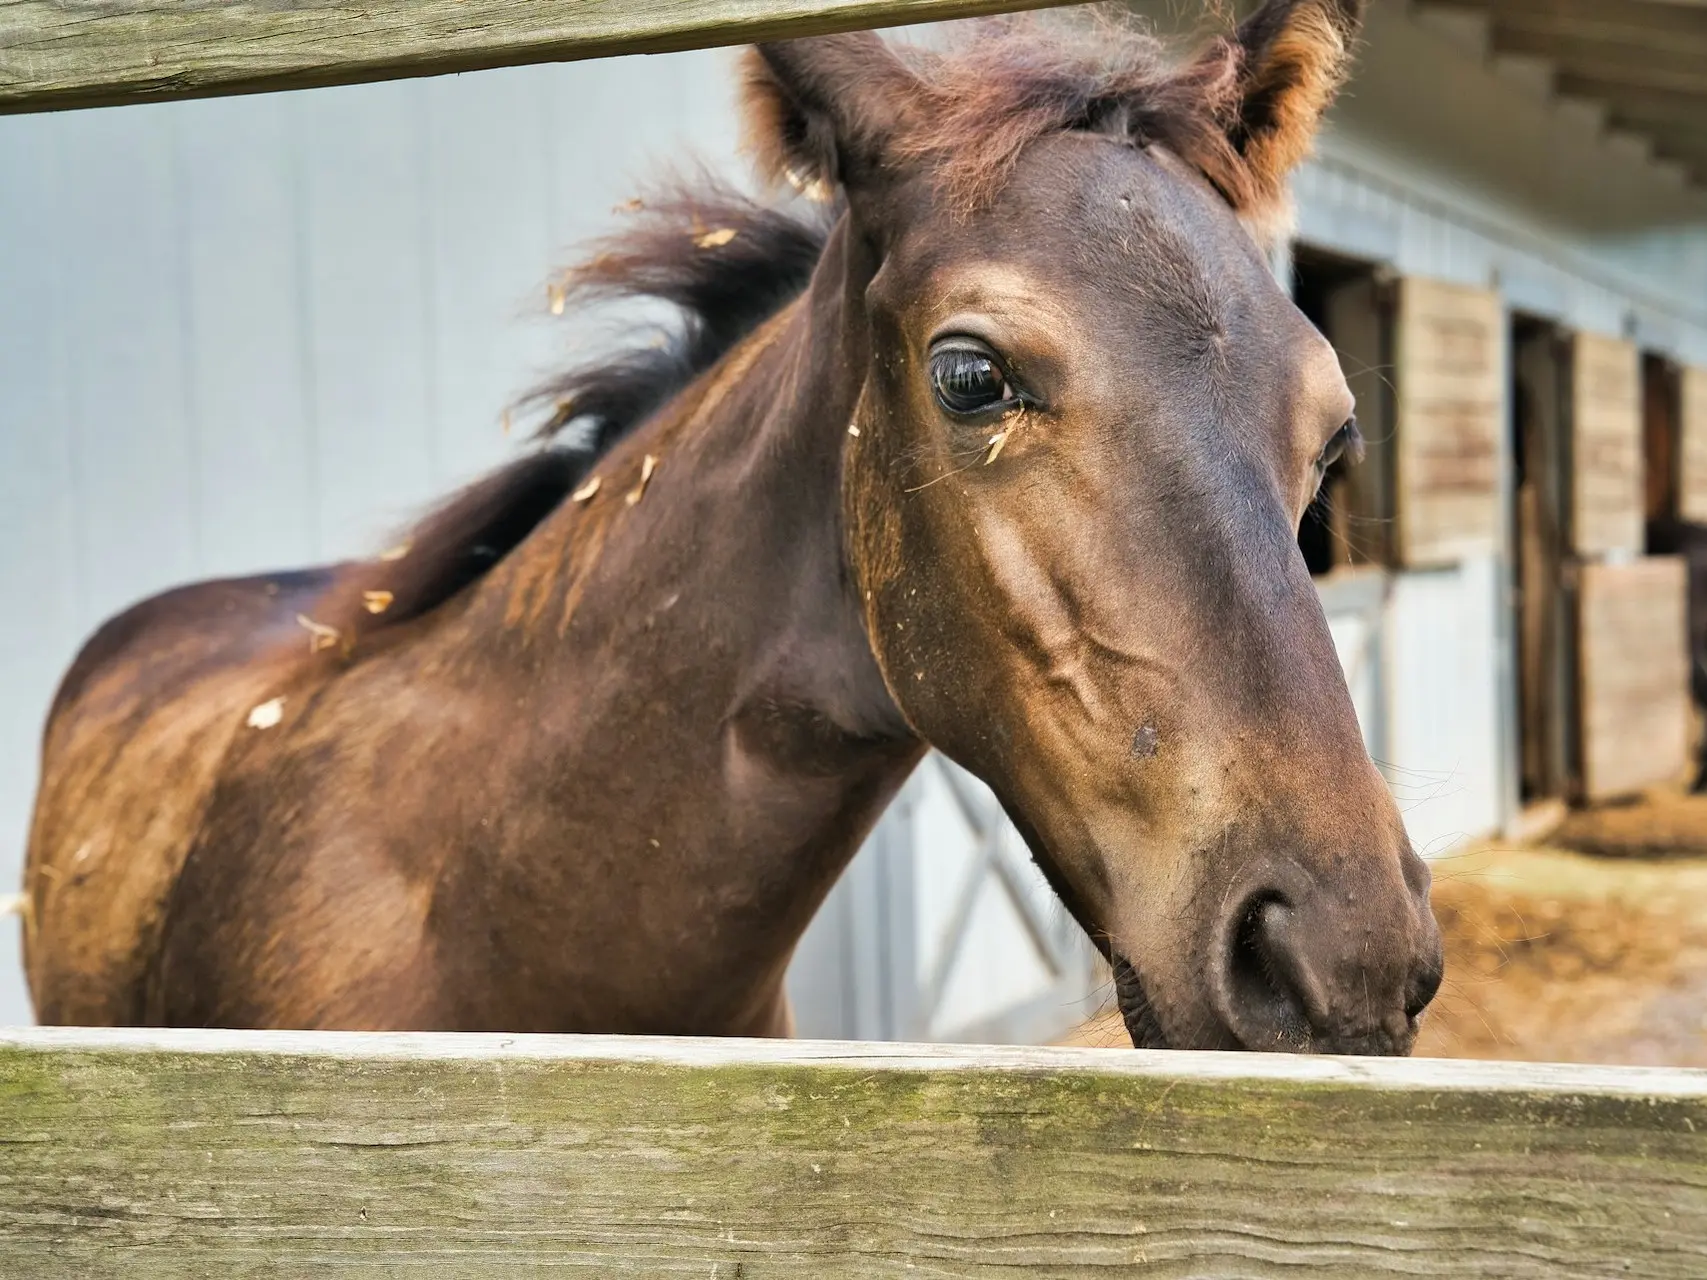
x: 1241, y: 108
x: 1025, y: 76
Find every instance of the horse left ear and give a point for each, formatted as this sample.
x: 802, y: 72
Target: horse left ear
x: 824, y: 110
x: 1292, y: 58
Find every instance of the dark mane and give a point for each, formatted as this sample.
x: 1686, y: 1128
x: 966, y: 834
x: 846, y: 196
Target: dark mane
x: 723, y: 261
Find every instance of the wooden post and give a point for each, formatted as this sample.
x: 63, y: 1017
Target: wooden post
x: 69, y: 53
x: 155, y: 1153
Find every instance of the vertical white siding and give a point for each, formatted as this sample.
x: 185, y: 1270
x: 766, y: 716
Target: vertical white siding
x: 1442, y: 753
x: 367, y: 291
x: 38, y: 492
x: 492, y: 234
x: 125, y: 317
x: 236, y: 188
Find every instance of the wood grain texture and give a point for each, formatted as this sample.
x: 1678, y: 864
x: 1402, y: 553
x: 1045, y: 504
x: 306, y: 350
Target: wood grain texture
x: 1450, y: 378
x: 144, y: 1154
x: 1692, y: 479
x: 1606, y: 445
x: 1633, y: 664
x: 56, y: 54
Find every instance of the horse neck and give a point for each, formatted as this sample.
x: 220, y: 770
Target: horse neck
x: 726, y: 508
x: 702, y: 696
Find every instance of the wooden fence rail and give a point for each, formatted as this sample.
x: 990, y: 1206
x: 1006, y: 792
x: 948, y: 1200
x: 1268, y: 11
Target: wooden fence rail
x: 91, y: 53
x: 147, y: 1153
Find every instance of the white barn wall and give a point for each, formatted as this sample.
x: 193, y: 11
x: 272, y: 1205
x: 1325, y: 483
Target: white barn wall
x: 38, y: 518
x: 1421, y: 652
x: 1443, y: 750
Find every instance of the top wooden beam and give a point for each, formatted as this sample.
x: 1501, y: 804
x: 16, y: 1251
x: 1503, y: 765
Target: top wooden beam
x: 56, y: 54
x: 143, y: 1154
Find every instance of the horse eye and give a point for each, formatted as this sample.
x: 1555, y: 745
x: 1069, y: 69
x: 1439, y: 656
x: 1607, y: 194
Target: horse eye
x: 1344, y: 440
x: 968, y: 381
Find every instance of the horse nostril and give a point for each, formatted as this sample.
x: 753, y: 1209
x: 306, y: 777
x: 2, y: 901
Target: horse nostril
x: 1425, y: 983
x: 1301, y: 975
x: 1273, y: 991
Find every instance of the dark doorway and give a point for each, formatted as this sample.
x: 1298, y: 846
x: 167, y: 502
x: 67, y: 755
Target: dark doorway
x: 1543, y: 569
x: 1668, y: 531
x: 1350, y: 522
x: 1662, y: 450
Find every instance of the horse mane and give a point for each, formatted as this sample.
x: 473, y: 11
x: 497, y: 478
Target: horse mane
x: 722, y: 261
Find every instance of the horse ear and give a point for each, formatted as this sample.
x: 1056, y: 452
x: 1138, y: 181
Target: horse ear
x: 823, y: 110
x: 1292, y: 58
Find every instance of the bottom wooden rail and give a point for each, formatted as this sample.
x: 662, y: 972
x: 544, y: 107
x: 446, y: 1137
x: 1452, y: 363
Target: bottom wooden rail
x: 163, y: 1153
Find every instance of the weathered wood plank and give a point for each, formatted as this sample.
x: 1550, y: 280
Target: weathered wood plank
x: 1450, y: 378
x: 155, y: 1153
x: 1692, y: 482
x: 70, y: 53
x: 1662, y: 68
x: 1606, y: 445
x: 1633, y: 661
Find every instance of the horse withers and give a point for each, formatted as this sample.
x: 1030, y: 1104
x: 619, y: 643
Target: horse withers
x: 1002, y: 454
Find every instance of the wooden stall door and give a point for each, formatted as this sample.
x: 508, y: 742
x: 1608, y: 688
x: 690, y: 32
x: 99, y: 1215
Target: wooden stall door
x: 1692, y: 482
x: 1606, y: 446
x: 1634, y: 674
x: 1450, y: 376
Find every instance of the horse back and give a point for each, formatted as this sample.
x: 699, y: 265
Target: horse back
x: 131, y: 751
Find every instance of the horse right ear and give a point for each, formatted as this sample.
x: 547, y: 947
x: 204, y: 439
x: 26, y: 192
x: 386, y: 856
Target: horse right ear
x: 824, y: 110
x: 1292, y: 57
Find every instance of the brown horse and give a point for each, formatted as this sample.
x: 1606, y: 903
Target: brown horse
x: 1003, y: 455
